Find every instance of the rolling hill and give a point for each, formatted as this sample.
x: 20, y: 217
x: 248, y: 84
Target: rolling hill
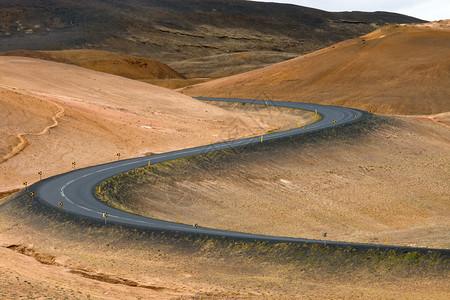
x: 397, y: 69
x: 108, y: 62
x: 52, y: 114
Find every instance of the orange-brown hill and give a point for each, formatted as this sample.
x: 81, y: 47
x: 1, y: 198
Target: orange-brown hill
x: 53, y: 114
x: 108, y: 62
x: 396, y: 69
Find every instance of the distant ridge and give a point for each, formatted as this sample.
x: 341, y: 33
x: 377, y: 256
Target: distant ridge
x: 175, y: 30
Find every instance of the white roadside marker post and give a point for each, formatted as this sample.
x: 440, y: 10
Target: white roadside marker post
x: 324, y: 235
x: 195, y: 227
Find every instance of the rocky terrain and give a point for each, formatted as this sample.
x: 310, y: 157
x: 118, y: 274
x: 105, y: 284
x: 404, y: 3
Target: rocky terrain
x: 174, y: 30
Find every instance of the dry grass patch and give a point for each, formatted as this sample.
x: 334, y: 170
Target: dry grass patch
x: 89, y: 259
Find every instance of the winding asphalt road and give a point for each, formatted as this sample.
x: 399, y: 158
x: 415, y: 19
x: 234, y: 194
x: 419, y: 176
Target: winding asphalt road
x: 75, y: 189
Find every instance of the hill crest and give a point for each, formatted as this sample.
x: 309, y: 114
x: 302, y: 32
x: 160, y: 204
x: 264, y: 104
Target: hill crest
x: 175, y: 30
x: 108, y: 62
x: 398, y: 69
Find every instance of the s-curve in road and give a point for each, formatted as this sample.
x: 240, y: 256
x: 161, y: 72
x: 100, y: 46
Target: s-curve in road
x: 75, y: 189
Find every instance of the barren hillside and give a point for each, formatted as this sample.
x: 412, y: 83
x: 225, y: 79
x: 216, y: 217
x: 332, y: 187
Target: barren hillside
x: 401, y: 69
x: 176, y: 30
x: 108, y: 62
x: 222, y: 65
x: 52, y: 114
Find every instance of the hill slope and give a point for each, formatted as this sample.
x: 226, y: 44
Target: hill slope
x: 108, y: 62
x: 396, y: 69
x: 222, y: 65
x: 174, y: 30
x: 52, y: 114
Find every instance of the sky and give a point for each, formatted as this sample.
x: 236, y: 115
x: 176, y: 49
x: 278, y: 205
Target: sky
x: 431, y: 10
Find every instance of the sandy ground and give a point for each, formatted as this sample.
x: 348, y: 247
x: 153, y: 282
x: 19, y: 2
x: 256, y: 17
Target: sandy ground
x: 54, y: 114
x: 174, y: 84
x: 390, y: 180
x: 394, y: 70
x: 89, y: 262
